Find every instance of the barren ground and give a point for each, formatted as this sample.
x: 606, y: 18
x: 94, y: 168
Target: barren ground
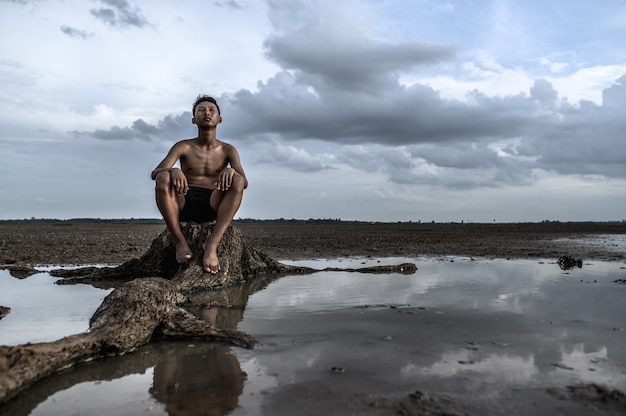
x: 64, y: 244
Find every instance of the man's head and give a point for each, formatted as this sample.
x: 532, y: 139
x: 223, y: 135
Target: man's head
x: 202, y: 98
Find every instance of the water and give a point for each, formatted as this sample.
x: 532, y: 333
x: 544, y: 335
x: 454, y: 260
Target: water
x: 485, y: 337
x: 42, y: 311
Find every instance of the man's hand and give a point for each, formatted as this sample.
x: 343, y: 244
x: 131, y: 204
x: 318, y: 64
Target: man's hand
x: 225, y: 179
x: 179, y: 181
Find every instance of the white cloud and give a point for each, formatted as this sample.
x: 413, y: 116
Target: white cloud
x: 361, y: 110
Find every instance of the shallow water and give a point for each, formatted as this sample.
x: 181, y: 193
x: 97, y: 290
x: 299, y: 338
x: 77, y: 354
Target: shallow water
x: 480, y: 337
x: 42, y: 311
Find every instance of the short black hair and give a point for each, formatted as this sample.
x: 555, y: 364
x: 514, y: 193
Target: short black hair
x: 201, y: 98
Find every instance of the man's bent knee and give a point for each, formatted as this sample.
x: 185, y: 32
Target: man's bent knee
x: 163, y: 181
x: 237, y: 183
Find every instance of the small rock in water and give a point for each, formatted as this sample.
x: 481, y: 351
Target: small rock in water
x: 569, y: 262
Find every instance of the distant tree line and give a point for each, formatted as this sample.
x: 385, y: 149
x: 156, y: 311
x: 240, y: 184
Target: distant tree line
x: 53, y: 221
x: 152, y: 221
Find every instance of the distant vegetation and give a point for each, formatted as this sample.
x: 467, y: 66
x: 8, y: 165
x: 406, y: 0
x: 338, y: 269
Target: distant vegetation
x: 52, y: 221
x: 138, y: 221
x: 149, y: 221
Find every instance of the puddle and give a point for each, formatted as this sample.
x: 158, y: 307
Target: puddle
x: 477, y: 336
x: 42, y: 311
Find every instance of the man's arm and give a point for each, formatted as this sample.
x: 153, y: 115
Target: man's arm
x: 167, y: 163
x: 235, y: 163
x: 156, y: 171
x: 177, y: 177
x: 225, y: 178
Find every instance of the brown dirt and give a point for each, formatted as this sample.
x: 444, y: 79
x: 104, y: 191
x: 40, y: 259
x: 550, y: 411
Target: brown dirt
x: 68, y: 243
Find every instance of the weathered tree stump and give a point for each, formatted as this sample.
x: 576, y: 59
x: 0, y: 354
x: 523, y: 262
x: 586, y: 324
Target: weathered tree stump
x: 150, y: 303
x: 142, y: 310
x: 238, y: 262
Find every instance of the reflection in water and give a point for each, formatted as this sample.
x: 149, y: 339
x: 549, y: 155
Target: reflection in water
x: 492, y: 333
x: 211, y: 382
x: 593, y: 365
x: 161, y: 379
x: 484, y: 331
x: 208, y: 383
x: 574, y: 364
x: 498, y: 367
x: 42, y: 311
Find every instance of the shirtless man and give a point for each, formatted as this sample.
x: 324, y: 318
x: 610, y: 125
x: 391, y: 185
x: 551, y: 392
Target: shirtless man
x: 208, y: 186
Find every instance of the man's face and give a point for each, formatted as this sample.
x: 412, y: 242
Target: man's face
x: 206, y: 112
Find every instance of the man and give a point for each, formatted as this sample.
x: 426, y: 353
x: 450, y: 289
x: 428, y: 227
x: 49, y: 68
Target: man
x: 208, y: 186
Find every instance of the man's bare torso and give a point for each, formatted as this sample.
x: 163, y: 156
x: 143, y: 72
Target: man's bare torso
x: 203, y: 164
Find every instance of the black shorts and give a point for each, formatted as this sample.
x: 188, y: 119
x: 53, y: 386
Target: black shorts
x: 198, y: 206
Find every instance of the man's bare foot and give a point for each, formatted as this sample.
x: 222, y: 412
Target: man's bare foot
x: 183, y: 252
x: 210, y: 261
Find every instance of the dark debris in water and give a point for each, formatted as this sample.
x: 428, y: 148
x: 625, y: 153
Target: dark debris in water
x: 592, y: 394
x: 4, y: 311
x: 569, y: 262
x: 419, y: 403
x: 19, y: 271
x: 404, y: 268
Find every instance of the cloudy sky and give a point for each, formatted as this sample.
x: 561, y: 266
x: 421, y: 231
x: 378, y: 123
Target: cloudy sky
x: 422, y: 110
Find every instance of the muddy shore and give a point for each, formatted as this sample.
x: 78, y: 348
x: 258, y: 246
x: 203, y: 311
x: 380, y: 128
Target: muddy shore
x: 69, y: 243
x: 480, y: 339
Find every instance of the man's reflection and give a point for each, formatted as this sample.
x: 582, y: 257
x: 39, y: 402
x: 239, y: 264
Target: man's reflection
x: 208, y: 382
